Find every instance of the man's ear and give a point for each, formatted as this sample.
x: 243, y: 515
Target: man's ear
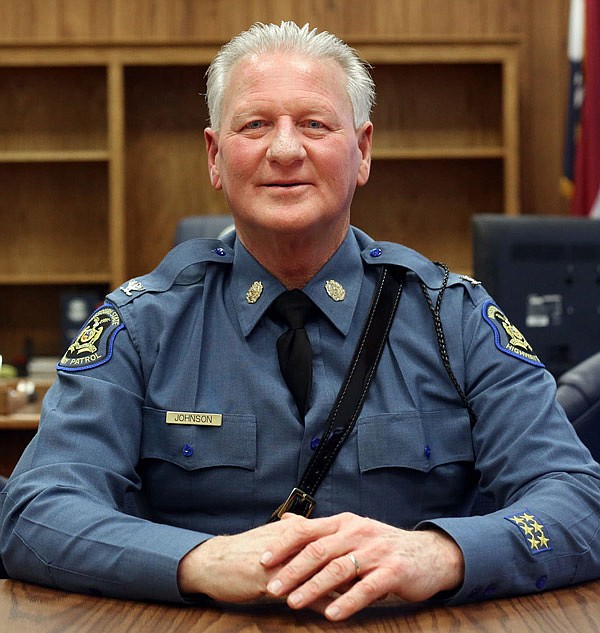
x: 211, y: 139
x: 365, y: 143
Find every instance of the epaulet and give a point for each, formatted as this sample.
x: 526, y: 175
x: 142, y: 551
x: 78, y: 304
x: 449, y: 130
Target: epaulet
x: 427, y: 272
x: 183, y: 265
x: 390, y: 253
x: 473, y: 287
x: 469, y: 280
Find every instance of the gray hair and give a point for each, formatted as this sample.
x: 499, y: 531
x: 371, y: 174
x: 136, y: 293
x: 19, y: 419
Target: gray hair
x: 289, y: 37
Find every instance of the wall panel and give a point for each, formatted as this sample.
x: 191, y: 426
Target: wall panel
x: 81, y: 21
x: 539, y: 25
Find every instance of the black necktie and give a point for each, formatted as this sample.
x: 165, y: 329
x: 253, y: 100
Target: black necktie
x: 293, y: 346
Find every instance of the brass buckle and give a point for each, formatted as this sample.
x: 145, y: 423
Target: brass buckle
x: 296, y: 495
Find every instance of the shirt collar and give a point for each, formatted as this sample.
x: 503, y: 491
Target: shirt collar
x: 345, y: 268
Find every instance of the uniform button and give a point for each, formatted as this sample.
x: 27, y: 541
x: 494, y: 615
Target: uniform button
x: 540, y: 583
x: 427, y: 451
x: 375, y: 252
x: 220, y: 251
x: 314, y: 443
x: 187, y: 450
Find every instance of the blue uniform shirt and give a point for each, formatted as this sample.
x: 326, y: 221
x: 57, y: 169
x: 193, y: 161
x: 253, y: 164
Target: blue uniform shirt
x: 170, y: 422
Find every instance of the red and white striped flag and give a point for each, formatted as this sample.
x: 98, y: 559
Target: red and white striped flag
x: 586, y: 176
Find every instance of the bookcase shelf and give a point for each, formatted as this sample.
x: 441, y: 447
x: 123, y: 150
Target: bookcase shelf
x: 102, y: 153
x: 53, y: 108
x: 54, y: 156
x: 426, y: 153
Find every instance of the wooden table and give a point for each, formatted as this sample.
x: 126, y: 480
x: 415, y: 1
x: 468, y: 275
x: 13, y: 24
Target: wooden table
x: 26, y: 608
x: 16, y: 431
x: 18, y: 428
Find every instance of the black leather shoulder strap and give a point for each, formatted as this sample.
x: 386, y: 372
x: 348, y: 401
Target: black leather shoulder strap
x: 352, y: 393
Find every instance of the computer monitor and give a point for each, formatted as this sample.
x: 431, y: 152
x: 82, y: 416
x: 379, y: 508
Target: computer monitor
x: 544, y: 273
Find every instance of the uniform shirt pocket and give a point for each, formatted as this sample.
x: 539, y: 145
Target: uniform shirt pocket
x: 414, y: 465
x: 199, y: 476
x: 192, y: 446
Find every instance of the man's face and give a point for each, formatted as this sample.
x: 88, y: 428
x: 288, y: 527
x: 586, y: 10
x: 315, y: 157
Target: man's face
x: 287, y: 155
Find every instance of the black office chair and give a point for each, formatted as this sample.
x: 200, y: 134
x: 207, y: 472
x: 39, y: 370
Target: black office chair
x: 3, y: 573
x: 202, y: 226
x: 579, y: 394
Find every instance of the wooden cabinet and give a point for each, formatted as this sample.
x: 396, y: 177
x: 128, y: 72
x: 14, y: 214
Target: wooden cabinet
x: 102, y: 152
x: 446, y: 145
x: 54, y: 206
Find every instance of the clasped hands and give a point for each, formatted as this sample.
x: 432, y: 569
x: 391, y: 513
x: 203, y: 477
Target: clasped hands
x: 336, y: 565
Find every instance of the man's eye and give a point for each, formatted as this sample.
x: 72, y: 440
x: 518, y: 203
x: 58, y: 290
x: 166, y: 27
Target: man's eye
x: 253, y: 125
x: 314, y: 125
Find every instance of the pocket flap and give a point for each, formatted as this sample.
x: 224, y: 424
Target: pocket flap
x: 417, y: 440
x: 191, y: 446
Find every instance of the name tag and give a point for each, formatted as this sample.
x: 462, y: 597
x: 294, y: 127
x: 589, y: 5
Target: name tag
x: 199, y: 419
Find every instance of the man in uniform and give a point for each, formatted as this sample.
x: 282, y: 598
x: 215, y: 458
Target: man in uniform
x: 173, y: 431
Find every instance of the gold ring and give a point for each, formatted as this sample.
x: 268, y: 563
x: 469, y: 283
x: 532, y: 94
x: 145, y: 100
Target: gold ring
x: 355, y: 563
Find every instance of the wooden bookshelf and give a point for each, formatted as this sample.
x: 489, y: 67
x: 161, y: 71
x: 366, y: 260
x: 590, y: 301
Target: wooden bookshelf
x: 102, y: 152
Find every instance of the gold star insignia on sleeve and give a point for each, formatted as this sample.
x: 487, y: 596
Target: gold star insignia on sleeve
x: 533, y: 531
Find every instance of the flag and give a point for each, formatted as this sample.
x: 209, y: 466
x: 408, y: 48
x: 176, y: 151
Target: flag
x: 586, y: 194
x: 575, y: 95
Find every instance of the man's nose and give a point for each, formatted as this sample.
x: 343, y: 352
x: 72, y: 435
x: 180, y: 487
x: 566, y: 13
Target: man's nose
x: 286, y: 146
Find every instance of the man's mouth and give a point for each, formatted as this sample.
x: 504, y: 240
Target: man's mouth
x: 285, y: 184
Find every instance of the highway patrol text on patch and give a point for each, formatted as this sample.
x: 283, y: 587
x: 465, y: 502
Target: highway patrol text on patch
x: 507, y: 337
x: 93, y: 346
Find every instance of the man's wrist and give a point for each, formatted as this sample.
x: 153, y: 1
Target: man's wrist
x: 190, y: 571
x: 449, y: 558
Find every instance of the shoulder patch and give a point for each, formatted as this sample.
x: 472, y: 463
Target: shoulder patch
x: 93, y: 346
x: 507, y: 337
x: 533, y: 531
